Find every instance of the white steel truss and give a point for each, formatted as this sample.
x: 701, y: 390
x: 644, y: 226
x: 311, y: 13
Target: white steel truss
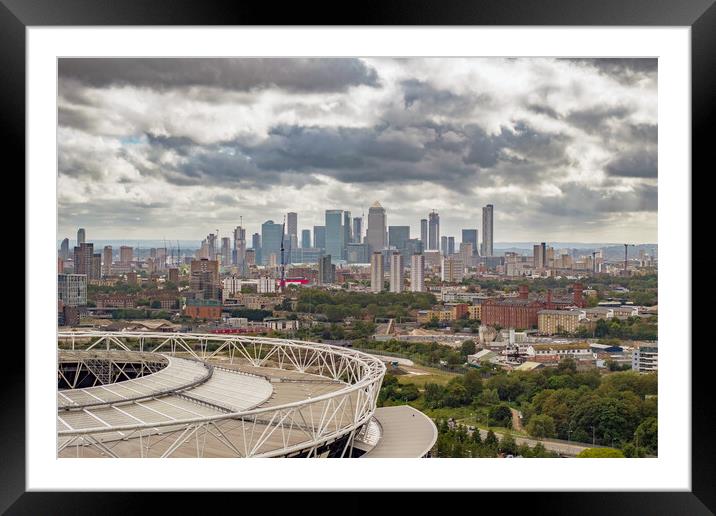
x: 172, y: 421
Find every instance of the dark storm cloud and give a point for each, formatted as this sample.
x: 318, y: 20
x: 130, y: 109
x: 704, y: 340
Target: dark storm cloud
x: 300, y: 148
x: 301, y: 75
x: 178, y: 144
x: 595, y: 119
x: 622, y: 65
x: 624, y: 70
x: 529, y: 146
x: 634, y: 164
x: 201, y: 132
x: 579, y: 202
x: 415, y: 91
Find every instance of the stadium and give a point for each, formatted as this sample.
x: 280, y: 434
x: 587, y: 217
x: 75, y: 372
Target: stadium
x: 145, y: 394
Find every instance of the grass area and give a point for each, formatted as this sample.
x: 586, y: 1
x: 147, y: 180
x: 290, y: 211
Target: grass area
x: 429, y: 375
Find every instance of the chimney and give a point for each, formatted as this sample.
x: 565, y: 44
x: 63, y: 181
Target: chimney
x: 549, y: 298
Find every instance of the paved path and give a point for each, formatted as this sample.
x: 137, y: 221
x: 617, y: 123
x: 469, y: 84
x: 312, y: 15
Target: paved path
x: 516, y: 420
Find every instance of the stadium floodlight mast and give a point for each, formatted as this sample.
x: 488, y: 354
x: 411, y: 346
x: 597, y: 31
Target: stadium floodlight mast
x: 305, y: 427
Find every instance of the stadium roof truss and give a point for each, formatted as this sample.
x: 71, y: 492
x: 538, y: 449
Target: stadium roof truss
x: 197, y: 395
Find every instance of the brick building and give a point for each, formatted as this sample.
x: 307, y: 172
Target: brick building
x: 203, y: 309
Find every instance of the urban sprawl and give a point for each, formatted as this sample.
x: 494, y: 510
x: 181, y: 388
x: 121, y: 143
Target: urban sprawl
x: 436, y: 311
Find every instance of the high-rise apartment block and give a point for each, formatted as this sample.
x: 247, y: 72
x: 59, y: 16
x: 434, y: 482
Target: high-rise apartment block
x: 417, y: 273
x: 433, y: 231
x: 72, y: 289
x: 396, y: 272
x: 487, y: 235
x: 326, y: 270
x: 107, y: 261
x: 377, y: 282
x: 126, y: 255
x: 204, y: 281
x: 452, y: 270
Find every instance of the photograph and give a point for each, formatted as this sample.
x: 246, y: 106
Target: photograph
x: 357, y: 257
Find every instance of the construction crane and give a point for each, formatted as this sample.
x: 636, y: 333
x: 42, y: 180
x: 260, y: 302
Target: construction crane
x: 626, y: 248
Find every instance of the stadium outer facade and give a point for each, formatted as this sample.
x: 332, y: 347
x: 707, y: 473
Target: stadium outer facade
x: 144, y: 394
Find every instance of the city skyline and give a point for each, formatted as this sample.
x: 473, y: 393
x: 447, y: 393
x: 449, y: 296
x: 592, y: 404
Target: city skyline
x: 153, y: 148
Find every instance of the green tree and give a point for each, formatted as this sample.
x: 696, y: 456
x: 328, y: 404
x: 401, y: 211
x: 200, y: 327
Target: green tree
x: 508, y: 444
x: 541, y: 425
x: 501, y: 415
x: 646, y: 435
x: 473, y: 383
x: 467, y: 348
x: 600, y: 453
x: 491, y: 440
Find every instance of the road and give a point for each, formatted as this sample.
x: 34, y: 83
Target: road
x: 561, y: 447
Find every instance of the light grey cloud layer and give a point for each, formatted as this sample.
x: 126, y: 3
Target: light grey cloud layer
x: 564, y: 149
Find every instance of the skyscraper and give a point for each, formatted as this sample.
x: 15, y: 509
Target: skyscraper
x: 240, y: 246
x: 469, y: 236
x: 126, y: 255
x: 450, y: 245
x: 357, y: 230
x: 80, y: 236
x: 204, y: 281
x: 211, y: 245
x: 306, y: 238
x: 107, y: 261
x: 347, y: 231
x: 292, y: 224
x: 539, y: 256
x: 319, y: 237
x: 225, y: 251
x: 487, y: 235
x: 326, y: 270
x: 376, y: 271
x: 256, y: 246
x: 444, y: 245
x: 433, y: 231
x: 398, y: 236
x: 375, y: 236
x: 83, y: 259
x: 65, y: 249
x: 271, y: 237
x: 334, y: 233
x: 424, y: 232
x: 417, y: 273
x: 396, y: 272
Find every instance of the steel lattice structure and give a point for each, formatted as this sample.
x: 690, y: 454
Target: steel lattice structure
x: 207, y: 395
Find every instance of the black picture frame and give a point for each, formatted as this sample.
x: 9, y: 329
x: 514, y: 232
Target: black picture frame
x: 700, y: 15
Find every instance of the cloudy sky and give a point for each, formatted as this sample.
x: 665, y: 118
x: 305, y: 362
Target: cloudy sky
x: 566, y: 150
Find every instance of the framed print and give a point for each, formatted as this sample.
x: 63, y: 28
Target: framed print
x: 430, y: 238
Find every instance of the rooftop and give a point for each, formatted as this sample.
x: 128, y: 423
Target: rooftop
x: 406, y: 433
